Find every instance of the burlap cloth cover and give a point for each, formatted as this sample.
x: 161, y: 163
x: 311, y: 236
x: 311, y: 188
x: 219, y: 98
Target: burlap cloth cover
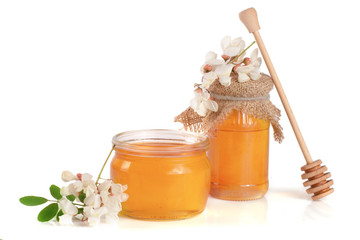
x: 254, y: 95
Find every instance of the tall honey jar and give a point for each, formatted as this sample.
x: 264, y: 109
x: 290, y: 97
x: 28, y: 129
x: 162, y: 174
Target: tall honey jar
x: 167, y: 173
x: 239, y: 157
x: 238, y: 129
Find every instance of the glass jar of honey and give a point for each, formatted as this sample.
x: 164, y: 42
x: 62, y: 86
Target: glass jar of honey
x: 238, y: 129
x: 167, y: 173
x: 238, y: 154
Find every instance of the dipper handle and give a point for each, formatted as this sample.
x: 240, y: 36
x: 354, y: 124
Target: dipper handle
x: 250, y: 20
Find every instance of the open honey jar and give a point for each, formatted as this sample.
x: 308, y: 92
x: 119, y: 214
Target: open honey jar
x: 167, y: 173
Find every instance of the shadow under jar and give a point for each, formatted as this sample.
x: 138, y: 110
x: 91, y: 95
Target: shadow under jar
x: 167, y: 173
x: 239, y: 156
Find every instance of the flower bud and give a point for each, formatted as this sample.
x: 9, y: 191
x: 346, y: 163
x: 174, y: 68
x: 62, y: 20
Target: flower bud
x: 208, y: 68
x: 225, y: 57
x: 246, y: 61
x: 79, y: 176
x: 198, y: 90
x: 67, y: 176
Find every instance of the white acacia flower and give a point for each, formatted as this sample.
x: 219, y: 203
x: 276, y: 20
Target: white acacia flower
x: 88, y: 211
x: 68, y: 207
x: 118, y: 191
x: 201, y: 103
x: 105, y: 186
x: 255, y: 60
x: 67, y: 176
x: 223, y: 72
x: 208, y: 79
x: 94, y: 216
x: 113, y: 191
x: 210, y: 62
x: 72, y: 189
x: 93, y: 200
x: 233, y: 47
x: 87, y: 180
x: 211, y: 59
x: 69, y: 210
x: 251, y: 71
x: 117, y: 188
x: 66, y: 219
x: 91, y: 189
x: 112, y: 204
x: 243, y: 73
x: 65, y: 191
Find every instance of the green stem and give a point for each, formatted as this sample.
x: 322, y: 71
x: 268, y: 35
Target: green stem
x: 112, y: 149
x: 57, y: 201
x: 242, y: 52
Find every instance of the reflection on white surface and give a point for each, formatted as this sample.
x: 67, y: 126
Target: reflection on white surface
x: 280, y: 206
x: 217, y: 213
x: 295, y: 205
x: 132, y: 223
x: 288, y: 193
x: 222, y: 212
x: 317, y: 210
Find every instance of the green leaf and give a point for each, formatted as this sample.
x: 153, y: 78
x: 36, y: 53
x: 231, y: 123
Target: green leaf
x: 59, y: 214
x: 71, y: 197
x: 32, y: 200
x: 48, y: 212
x: 80, y: 210
x: 82, y: 196
x: 55, y: 192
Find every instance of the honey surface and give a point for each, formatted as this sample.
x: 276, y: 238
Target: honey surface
x: 239, y: 158
x: 162, y: 185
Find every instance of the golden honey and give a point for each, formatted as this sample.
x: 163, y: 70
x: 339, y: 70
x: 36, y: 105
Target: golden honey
x: 238, y: 154
x: 167, y: 173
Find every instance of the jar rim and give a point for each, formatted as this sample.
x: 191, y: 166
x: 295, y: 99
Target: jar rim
x: 184, y: 142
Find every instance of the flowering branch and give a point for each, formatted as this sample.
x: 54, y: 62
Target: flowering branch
x: 83, y: 199
x: 221, y: 70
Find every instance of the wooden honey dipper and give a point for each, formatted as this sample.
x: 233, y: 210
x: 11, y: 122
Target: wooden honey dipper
x: 314, y: 172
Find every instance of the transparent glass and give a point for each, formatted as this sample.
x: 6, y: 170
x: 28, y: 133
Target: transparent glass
x: 238, y: 155
x: 167, y: 173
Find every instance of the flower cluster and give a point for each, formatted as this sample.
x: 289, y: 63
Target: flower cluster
x: 202, y: 102
x: 99, y: 199
x: 232, y: 60
x: 83, y: 199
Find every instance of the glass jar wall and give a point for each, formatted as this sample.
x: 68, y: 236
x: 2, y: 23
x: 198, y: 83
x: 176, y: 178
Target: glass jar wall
x: 239, y: 152
x: 167, y: 173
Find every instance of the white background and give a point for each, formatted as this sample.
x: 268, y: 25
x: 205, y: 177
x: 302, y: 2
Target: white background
x: 75, y: 73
